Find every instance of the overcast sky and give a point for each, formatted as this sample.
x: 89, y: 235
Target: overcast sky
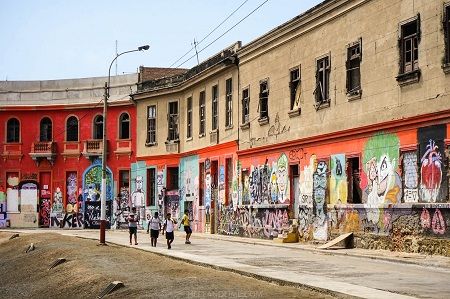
x: 51, y: 39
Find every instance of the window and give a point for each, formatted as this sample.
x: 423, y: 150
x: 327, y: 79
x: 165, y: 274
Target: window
x: 98, y: 127
x: 322, y: 91
x: 264, y: 100
x: 173, y: 121
x: 447, y: 33
x: 229, y: 103
x: 124, y: 179
x: 294, y: 86
x: 409, y: 49
x: 172, y: 178
x: 202, y: 113
x: 246, y: 106
x: 13, y: 130
x: 215, y: 99
x: 151, y: 125
x: 72, y: 129
x: 189, y: 118
x: 46, y: 130
x: 353, y: 69
x: 124, y: 123
x: 151, y: 187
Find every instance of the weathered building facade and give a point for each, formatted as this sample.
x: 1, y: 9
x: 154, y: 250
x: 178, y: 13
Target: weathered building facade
x: 340, y: 123
x: 52, y: 146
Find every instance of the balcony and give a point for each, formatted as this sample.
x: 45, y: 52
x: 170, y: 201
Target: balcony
x: 93, y: 148
x: 43, y: 150
x: 71, y: 150
x: 12, y: 151
x: 123, y: 148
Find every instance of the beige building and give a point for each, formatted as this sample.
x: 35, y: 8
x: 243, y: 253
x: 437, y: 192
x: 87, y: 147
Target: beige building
x: 335, y: 121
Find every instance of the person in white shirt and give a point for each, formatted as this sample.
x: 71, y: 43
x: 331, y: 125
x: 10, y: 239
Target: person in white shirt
x: 169, y: 225
x: 154, y: 225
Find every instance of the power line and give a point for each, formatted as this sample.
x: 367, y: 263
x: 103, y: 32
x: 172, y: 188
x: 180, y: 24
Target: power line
x: 220, y: 36
x: 211, y: 32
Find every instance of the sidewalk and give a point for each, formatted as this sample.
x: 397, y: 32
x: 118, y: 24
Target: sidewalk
x: 386, y: 255
x: 361, y: 273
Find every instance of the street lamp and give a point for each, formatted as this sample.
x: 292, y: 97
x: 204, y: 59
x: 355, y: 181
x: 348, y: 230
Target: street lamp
x: 105, y: 104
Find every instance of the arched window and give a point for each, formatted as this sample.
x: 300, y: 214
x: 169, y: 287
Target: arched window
x: 124, y: 126
x: 72, y: 129
x: 98, y: 127
x: 46, y: 130
x: 13, y: 130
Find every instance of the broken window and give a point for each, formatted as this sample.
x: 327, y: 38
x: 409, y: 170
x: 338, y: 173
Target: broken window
x: 447, y: 33
x: 189, y: 118
x: 215, y: 95
x: 322, y: 91
x: 202, y: 113
x: 151, y: 125
x: 409, y: 46
x: 173, y: 121
x: 353, y: 176
x: 246, y: 106
x: 294, y: 86
x: 353, y: 69
x: 264, y: 99
x: 229, y: 103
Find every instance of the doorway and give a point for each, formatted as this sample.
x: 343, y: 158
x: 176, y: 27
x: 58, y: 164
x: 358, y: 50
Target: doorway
x: 353, y: 175
x: 44, y: 198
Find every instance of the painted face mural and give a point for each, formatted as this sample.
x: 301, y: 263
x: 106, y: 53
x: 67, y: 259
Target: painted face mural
x: 338, y: 180
x: 282, y: 179
x: 380, y: 159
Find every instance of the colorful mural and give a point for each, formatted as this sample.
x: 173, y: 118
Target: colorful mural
x: 253, y: 222
x: 410, y: 177
x: 319, y: 204
x: 189, y: 188
x: 71, y: 191
x: 433, y: 184
x: 338, y: 180
x: 305, y: 213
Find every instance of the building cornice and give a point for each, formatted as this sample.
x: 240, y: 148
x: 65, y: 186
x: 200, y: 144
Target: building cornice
x: 308, y: 21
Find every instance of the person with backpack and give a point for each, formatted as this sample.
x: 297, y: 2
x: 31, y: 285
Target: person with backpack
x: 154, y: 225
x: 168, y: 228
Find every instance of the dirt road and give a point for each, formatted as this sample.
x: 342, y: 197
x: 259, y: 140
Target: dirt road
x: 90, y: 268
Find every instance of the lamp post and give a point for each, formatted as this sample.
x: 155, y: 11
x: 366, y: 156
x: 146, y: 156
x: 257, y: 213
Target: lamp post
x: 105, y: 104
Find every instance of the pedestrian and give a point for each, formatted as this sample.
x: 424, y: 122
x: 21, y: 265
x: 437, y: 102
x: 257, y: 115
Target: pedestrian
x: 132, y: 225
x: 187, y: 226
x: 169, y: 225
x: 154, y: 225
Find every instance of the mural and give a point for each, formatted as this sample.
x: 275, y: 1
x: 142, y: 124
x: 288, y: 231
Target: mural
x: 305, y: 209
x: 338, y: 180
x: 92, y: 181
x: 160, y: 188
x: 66, y: 220
x: 57, y: 206
x: 222, y: 185
x: 319, y: 204
x: 433, y: 184
x: 121, y: 208
x: 172, y: 204
x: 138, y: 199
x: 410, y: 177
x: 253, y: 222
x: 44, y: 211
x: 380, y: 157
x: 267, y: 184
x: 189, y: 188
x: 71, y: 190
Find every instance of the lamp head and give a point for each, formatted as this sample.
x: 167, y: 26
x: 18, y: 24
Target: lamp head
x: 142, y: 48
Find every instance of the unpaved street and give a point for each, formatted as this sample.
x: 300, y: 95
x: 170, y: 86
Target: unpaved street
x: 90, y: 268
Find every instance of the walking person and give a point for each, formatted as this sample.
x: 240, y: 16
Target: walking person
x: 154, y: 225
x: 169, y: 226
x: 187, y: 226
x: 132, y: 225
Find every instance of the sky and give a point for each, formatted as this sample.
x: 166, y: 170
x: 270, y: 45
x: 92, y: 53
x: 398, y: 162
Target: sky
x: 53, y: 39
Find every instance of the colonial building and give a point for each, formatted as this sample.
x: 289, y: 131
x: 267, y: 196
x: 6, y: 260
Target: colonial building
x: 338, y: 120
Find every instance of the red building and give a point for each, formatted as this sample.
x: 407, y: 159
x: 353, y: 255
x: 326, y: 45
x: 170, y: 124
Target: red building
x: 51, y: 145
